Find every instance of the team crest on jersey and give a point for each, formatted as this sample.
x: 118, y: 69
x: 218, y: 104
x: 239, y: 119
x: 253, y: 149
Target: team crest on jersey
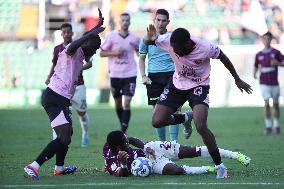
x: 260, y: 58
x: 197, y: 91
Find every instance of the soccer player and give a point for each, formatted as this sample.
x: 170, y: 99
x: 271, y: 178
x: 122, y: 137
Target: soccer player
x: 120, y: 47
x: 160, y: 71
x: 78, y: 101
x: 190, y: 83
x: 266, y: 63
x: 119, y: 155
x: 56, y: 99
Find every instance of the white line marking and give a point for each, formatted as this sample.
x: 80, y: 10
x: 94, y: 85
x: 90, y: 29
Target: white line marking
x: 139, y: 184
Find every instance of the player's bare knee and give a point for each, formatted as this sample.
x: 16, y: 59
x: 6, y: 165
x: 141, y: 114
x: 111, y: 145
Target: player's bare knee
x: 157, y: 122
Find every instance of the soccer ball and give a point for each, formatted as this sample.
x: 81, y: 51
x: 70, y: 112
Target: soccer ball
x: 141, y: 167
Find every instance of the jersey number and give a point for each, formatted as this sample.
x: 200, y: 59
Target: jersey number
x: 166, y: 145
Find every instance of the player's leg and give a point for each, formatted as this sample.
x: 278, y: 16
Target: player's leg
x: 80, y: 105
x: 202, y: 151
x: 199, y: 101
x: 266, y: 94
x: 128, y: 91
x: 276, y: 112
x: 126, y: 114
x: 116, y: 87
x: 170, y: 100
x: 154, y: 90
x: 57, y: 108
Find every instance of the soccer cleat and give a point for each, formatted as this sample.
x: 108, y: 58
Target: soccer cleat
x: 243, y: 159
x: 31, y: 172
x: 85, y: 141
x: 277, y: 130
x: 210, y: 169
x: 267, y: 131
x: 222, y: 172
x: 67, y: 170
x: 187, y: 125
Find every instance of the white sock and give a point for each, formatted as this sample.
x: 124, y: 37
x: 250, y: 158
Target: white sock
x: 268, y: 122
x: 223, y: 153
x: 54, y: 135
x: 35, y: 165
x: 84, y: 121
x: 276, y: 122
x: 195, y: 170
x: 59, y: 168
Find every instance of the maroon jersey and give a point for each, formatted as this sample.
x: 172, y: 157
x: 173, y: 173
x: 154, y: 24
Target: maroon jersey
x: 56, y: 51
x: 268, y: 73
x: 112, y: 163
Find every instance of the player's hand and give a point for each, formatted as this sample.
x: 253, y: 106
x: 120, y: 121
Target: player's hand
x: 243, y: 86
x: 152, y: 33
x: 118, y: 52
x: 146, y: 80
x: 122, y: 156
x: 47, y: 81
x: 151, y: 152
x: 101, y: 20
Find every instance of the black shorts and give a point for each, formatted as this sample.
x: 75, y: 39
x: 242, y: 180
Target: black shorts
x: 175, y: 98
x: 56, y: 107
x: 123, y: 86
x: 159, y: 82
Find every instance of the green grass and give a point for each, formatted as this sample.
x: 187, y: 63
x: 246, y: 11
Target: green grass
x: 24, y: 133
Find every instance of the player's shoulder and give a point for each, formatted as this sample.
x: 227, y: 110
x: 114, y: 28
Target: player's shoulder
x: 57, y: 47
x: 132, y: 34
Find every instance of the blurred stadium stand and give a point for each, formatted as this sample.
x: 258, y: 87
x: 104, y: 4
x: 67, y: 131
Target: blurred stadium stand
x: 27, y: 41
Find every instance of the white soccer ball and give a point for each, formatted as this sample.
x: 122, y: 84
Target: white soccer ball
x: 141, y: 167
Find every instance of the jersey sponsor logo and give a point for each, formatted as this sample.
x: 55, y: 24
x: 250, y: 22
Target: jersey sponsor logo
x: 198, y: 61
x: 187, y: 72
x: 197, y: 91
x: 260, y: 58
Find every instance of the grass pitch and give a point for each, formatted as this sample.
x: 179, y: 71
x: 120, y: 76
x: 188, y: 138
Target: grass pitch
x: 24, y: 133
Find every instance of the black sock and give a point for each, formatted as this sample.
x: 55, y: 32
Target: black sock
x: 125, y: 120
x: 119, y: 113
x: 179, y: 118
x: 216, y: 156
x: 49, y: 151
x: 60, y: 156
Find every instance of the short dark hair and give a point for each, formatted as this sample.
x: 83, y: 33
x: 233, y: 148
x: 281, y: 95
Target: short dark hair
x: 66, y: 25
x: 163, y: 12
x: 115, y: 139
x: 125, y: 14
x: 180, y: 36
x: 268, y: 34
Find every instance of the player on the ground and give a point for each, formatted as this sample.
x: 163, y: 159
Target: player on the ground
x: 119, y: 155
x: 120, y: 47
x: 56, y: 99
x: 266, y: 63
x: 78, y: 101
x: 190, y: 83
x: 160, y: 71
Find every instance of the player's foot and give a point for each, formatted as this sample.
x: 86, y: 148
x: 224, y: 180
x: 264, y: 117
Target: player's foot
x: 187, y: 125
x: 210, y: 169
x: 85, y: 141
x: 67, y: 170
x: 31, y: 172
x: 277, y: 130
x: 267, y: 131
x: 222, y: 171
x: 243, y: 159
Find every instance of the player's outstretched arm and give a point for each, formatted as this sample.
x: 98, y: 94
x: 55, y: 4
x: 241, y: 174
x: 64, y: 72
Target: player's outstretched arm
x: 136, y: 142
x: 228, y: 64
x: 151, y: 35
x: 93, y: 32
